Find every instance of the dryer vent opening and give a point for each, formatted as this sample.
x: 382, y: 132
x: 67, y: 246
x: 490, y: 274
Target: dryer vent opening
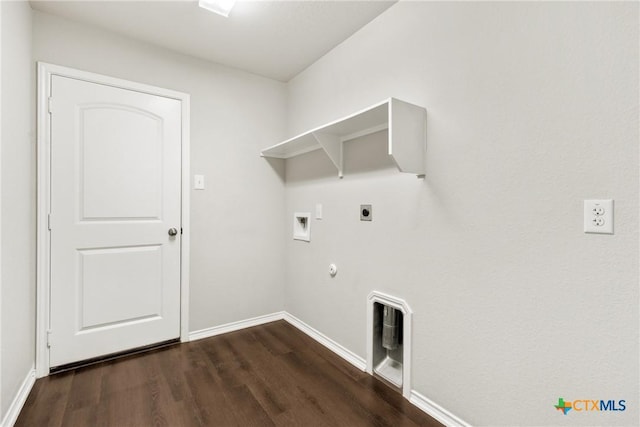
x: 388, y: 348
x: 389, y: 332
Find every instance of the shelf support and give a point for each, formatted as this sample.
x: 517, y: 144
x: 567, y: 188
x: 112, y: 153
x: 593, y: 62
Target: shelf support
x: 332, y: 145
x: 407, y: 136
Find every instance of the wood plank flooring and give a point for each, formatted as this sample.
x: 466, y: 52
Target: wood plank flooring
x: 269, y: 375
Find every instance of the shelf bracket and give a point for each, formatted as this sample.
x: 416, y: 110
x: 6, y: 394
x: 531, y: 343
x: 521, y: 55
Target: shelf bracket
x: 407, y: 136
x: 332, y: 145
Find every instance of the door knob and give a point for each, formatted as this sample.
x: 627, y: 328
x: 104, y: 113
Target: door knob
x: 173, y: 231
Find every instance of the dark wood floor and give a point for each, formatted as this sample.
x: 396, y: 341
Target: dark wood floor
x: 263, y: 376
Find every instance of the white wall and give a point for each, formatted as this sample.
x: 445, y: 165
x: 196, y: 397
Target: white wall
x: 18, y: 201
x: 532, y: 108
x: 236, y: 246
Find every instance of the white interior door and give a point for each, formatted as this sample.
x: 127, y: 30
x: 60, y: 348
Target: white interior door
x: 115, y: 195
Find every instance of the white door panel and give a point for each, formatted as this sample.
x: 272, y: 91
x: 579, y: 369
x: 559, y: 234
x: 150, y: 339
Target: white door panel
x: 113, y: 183
x: 119, y: 285
x: 115, y: 192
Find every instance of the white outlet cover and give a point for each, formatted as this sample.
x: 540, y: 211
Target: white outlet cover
x: 598, y: 216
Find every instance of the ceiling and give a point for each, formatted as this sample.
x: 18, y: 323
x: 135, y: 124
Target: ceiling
x: 276, y: 39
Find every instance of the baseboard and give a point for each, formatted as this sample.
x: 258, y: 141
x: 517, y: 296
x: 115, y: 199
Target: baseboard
x: 341, y: 351
x: 436, y: 411
x: 235, y: 326
x: 19, y: 400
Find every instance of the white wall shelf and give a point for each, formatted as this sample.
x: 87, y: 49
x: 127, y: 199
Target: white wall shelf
x: 407, y: 135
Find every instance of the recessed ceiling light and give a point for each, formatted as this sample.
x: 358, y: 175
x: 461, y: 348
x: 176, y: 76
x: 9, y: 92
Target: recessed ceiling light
x: 221, y: 7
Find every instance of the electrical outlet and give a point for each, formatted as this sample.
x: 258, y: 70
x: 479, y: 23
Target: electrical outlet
x: 598, y: 216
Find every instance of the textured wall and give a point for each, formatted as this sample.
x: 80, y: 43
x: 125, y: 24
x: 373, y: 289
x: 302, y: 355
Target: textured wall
x: 18, y: 201
x: 532, y: 108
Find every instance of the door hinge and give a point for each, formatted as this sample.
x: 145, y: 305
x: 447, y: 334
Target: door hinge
x: 49, y: 338
x: 180, y: 230
x: 50, y: 105
x: 49, y: 221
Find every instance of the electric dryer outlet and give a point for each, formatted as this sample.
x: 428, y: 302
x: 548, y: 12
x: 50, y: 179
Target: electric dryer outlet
x: 366, y: 213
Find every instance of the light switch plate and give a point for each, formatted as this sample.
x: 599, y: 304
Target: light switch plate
x: 598, y: 216
x: 198, y: 182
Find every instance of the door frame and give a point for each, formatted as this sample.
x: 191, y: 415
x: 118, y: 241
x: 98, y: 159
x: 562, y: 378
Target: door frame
x: 43, y: 200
